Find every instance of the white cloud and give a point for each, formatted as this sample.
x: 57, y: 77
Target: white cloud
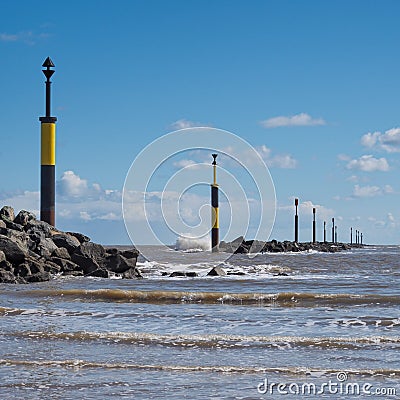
x: 371, y: 191
x: 285, y: 161
x: 343, y: 157
x: 27, y: 37
x: 368, y: 163
x: 388, y: 141
x: 184, y: 123
x: 73, y: 186
x: 186, y: 163
x: 301, y: 119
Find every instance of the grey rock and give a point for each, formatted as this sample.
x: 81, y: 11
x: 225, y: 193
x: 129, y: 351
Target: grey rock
x: 2, y: 256
x: 99, y: 273
x: 35, y: 226
x: 82, y: 238
x: 118, y: 263
x: 13, y: 226
x: 132, y: 273
x: 7, y: 276
x: 69, y: 242
x: 22, y: 270
x: 89, y: 256
x: 15, y: 252
x: 61, y: 252
x: 2, y: 224
x: 186, y: 274
x: 23, y: 217
x: 133, y: 253
x: 52, y: 267
x: 217, y: 271
x: 7, y: 214
x: 66, y: 265
x: 38, y: 277
x: 46, y: 247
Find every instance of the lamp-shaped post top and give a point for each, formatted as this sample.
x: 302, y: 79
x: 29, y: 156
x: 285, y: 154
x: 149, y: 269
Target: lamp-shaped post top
x: 48, y: 72
x: 214, y: 164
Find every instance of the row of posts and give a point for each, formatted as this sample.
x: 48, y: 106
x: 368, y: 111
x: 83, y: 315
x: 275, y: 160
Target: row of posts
x: 358, y: 235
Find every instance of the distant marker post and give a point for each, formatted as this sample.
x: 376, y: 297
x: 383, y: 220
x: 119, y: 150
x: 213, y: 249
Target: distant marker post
x: 48, y: 153
x: 361, y: 242
x: 351, y: 235
x: 336, y: 234
x: 324, y: 231
x: 215, y: 211
x: 314, y: 226
x: 296, y: 221
x: 333, y: 230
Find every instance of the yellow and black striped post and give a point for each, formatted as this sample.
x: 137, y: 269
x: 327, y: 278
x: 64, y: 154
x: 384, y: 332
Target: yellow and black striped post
x: 48, y: 154
x: 214, y: 205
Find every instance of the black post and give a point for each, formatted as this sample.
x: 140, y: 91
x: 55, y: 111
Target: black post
x: 296, y: 222
x: 215, y: 209
x: 314, y: 227
x: 336, y: 234
x: 48, y: 154
x: 333, y: 230
x: 361, y: 239
x: 324, y: 231
x: 351, y: 235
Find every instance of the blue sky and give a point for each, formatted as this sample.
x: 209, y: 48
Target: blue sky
x: 311, y: 84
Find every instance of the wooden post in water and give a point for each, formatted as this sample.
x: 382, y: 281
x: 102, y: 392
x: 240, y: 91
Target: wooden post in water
x: 314, y: 227
x: 324, y: 231
x: 296, y: 222
x: 351, y: 235
x: 336, y: 234
x: 333, y: 230
x: 214, y: 206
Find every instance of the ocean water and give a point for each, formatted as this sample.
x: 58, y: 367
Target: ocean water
x: 330, y: 328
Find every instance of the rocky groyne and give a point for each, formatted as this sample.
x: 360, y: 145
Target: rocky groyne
x: 34, y: 251
x: 242, y: 246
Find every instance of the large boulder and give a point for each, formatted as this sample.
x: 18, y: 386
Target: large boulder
x: 118, y: 263
x: 132, y: 273
x: 7, y: 276
x: 61, y: 252
x: 37, y: 227
x: 69, y: 242
x: 82, y: 238
x: 217, y: 271
x: 90, y: 256
x: 24, y: 217
x: 46, y: 247
x: 15, y: 251
x: 7, y: 214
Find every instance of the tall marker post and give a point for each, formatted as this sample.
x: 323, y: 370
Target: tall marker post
x: 333, y: 230
x: 214, y: 205
x: 314, y: 239
x: 296, y: 222
x: 324, y: 231
x: 336, y: 234
x: 48, y: 154
x: 351, y: 235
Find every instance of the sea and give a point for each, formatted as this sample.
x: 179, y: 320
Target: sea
x: 277, y: 326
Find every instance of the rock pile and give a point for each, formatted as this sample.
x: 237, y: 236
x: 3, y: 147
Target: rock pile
x: 242, y: 246
x: 34, y: 251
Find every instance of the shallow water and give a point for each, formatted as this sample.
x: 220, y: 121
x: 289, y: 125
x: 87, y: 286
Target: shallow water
x: 203, y: 337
